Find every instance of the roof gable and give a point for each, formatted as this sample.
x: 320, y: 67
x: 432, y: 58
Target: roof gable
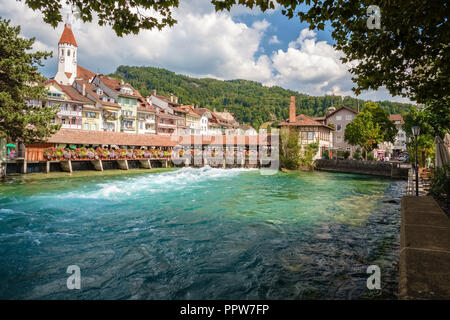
x: 67, y: 36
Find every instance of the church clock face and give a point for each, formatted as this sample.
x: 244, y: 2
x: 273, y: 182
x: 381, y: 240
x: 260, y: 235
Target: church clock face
x: 61, y: 59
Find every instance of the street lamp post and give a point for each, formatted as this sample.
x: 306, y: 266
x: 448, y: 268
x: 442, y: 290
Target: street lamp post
x: 416, y: 132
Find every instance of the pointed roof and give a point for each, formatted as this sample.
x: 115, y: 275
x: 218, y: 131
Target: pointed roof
x: 303, y: 120
x: 84, y: 73
x: 67, y: 36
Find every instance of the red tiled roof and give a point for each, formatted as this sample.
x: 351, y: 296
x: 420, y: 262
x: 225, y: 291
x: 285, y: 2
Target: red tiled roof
x: 84, y: 73
x: 116, y: 85
x: 75, y: 95
x: 71, y: 92
x: 67, y: 36
x: 106, y: 137
x: 90, y: 89
x: 339, y: 109
x: 303, y: 120
x: 397, y: 117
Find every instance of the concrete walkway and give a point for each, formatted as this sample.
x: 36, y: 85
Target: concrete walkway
x: 425, y: 250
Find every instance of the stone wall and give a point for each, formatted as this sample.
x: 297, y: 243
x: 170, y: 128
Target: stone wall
x: 385, y: 169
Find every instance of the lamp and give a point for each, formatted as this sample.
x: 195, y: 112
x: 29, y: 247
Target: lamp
x: 416, y: 132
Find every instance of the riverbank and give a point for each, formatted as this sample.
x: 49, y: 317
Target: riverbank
x: 425, y: 250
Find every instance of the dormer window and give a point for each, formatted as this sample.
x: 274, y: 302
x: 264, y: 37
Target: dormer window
x: 111, y: 100
x: 99, y: 91
x: 126, y: 90
x: 105, y: 99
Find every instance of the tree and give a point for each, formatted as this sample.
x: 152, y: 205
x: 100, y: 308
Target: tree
x: 421, y: 117
x: 19, y: 81
x: 290, y: 148
x: 363, y: 131
x: 381, y: 117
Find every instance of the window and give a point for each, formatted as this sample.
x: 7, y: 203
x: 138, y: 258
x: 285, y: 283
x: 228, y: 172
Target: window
x: 86, y: 126
x: 111, y: 100
x: 73, y: 121
x: 105, y: 99
x: 62, y: 52
x: 74, y: 108
x: 94, y: 126
x: 63, y: 120
x: 310, y: 135
x: 91, y: 115
x: 141, y: 125
x: 68, y: 53
x: 99, y: 91
x: 304, y: 134
x: 338, y: 118
x: 338, y: 127
x: 348, y: 117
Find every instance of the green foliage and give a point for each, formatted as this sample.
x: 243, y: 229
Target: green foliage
x: 19, y: 80
x: 289, y: 148
x: 250, y: 101
x: 381, y: 117
x: 370, y: 156
x: 344, y: 154
x: 363, y: 131
x: 423, y: 118
x: 326, y: 154
x: 357, y: 154
x: 125, y: 17
x: 440, y: 184
x: 306, y: 159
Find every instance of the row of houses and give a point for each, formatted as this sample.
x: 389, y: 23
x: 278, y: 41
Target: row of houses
x: 95, y: 102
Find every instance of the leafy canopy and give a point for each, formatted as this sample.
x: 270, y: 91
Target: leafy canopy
x: 381, y: 117
x: 363, y: 131
x: 19, y: 80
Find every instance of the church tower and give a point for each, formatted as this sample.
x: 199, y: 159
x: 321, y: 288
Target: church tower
x: 67, y: 57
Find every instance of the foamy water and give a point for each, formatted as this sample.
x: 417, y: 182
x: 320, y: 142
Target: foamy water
x: 198, y: 234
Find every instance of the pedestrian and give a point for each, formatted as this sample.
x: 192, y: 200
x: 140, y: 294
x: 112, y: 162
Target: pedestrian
x: 428, y: 162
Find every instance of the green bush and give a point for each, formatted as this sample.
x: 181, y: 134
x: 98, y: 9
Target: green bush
x: 326, y: 154
x: 440, y: 184
x: 357, y: 154
x: 370, y: 157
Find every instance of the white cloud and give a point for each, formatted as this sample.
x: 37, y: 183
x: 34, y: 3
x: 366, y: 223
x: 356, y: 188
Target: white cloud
x: 203, y: 43
x: 274, y: 40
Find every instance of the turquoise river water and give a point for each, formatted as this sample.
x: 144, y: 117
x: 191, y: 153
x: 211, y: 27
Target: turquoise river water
x: 199, y: 234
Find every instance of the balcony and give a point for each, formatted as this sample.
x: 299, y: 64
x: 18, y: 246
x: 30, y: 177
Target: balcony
x: 167, y: 125
x: 69, y: 113
x: 152, y: 121
x: 70, y: 126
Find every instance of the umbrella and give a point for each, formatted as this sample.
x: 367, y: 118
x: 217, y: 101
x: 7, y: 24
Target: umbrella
x: 10, y: 145
x: 442, y: 151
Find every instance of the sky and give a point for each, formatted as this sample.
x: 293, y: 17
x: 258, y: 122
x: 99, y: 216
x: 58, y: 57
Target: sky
x: 241, y: 44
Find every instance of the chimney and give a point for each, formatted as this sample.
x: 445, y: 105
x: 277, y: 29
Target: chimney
x: 171, y: 97
x: 292, y: 110
x: 154, y: 92
x: 83, y: 91
x: 176, y: 99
